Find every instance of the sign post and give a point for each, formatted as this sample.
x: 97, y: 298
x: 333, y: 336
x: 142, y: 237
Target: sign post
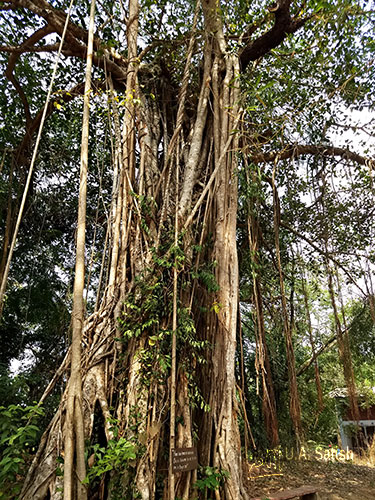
x: 184, y: 459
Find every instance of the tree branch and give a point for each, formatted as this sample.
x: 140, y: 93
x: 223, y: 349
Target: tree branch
x: 330, y: 342
x: 76, y: 37
x: 55, y: 18
x: 321, y: 251
x: 13, y: 58
x: 272, y: 38
x: 294, y: 151
x: 6, y: 6
x: 18, y: 49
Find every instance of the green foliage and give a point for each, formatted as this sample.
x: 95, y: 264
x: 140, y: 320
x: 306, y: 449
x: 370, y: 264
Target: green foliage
x: 115, y: 462
x: 19, y: 435
x: 115, y: 457
x: 206, y: 276
x: 361, y: 331
x: 146, y: 316
x: 211, y: 478
x: 145, y: 312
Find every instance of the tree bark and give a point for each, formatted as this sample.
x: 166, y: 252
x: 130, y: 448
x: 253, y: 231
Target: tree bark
x: 74, y: 444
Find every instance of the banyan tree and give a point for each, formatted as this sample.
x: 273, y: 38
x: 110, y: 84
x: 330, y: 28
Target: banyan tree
x: 152, y: 367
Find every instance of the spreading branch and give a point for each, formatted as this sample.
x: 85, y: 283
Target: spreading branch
x: 283, y: 26
x: 54, y: 18
x: 9, y: 72
x: 76, y: 38
x: 18, y: 49
x: 322, y: 251
x: 327, y: 345
x: 297, y: 150
x: 306, y: 364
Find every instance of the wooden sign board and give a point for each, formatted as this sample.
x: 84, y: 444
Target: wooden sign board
x: 184, y: 459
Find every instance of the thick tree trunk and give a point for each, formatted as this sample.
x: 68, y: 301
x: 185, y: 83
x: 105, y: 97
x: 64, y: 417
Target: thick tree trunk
x: 139, y: 390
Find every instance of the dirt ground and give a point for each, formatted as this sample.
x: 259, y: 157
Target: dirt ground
x: 335, y: 480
